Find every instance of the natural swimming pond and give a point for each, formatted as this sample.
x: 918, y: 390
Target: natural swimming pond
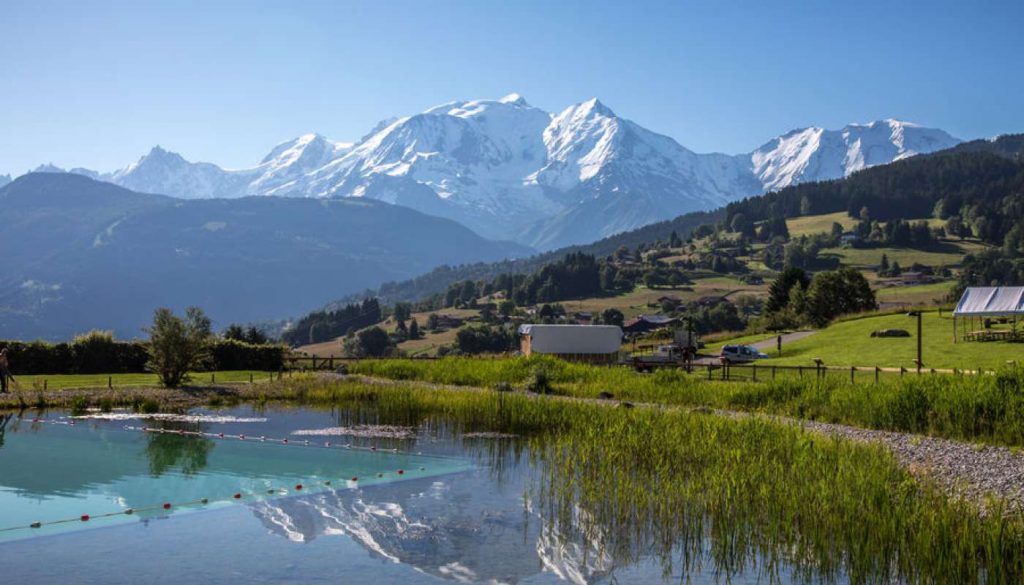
x: 586, y: 494
x: 460, y: 511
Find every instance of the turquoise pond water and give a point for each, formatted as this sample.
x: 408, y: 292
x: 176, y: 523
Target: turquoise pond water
x: 460, y: 512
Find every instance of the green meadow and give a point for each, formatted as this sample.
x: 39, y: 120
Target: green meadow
x: 849, y: 343
x: 66, y: 381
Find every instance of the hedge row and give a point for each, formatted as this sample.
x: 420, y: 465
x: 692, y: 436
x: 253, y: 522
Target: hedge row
x: 98, y: 355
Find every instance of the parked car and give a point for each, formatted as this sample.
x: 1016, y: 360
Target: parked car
x: 733, y: 354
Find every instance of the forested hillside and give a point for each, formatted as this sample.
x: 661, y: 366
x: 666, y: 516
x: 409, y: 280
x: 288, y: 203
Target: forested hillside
x: 439, y: 279
x: 961, y: 208
x: 977, y: 188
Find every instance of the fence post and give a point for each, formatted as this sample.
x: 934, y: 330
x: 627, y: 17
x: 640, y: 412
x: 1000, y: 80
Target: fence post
x: 773, y: 372
x: 877, y: 369
x: 250, y: 377
x: 753, y: 371
x: 902, y: 371
x: 213, y: 378
x: 852, y: 370
x: 44, y: 383
x: 800, y: 369
x: 709, y: 371
x: 110, y: 382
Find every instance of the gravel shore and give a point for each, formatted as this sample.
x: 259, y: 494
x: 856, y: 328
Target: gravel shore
x: 963, y: 470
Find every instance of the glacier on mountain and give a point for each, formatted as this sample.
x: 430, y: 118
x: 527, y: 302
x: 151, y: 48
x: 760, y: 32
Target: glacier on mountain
x: 509, y: 170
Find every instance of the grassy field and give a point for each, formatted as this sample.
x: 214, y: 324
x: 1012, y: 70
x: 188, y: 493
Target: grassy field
x: 636, y: 301
x: 922, y: 294
x: 819, y: 224
x: 850, y: 343
x: 60, y: 382
x: 949, y: 253
x: 428, y: 344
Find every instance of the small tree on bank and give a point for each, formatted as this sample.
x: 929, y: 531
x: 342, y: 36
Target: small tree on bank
x: 177, y: 345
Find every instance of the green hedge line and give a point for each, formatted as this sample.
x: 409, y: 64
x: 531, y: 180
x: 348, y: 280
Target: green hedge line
x: 103, y: 355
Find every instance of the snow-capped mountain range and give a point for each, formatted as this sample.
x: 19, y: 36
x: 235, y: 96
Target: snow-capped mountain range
x: 511, y: 171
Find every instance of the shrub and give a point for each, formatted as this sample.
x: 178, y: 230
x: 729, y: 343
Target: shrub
x: 540, y: 380
x: 177, y: 346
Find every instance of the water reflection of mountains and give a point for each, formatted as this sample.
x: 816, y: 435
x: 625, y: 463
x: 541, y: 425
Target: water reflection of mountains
x: 458, y: 527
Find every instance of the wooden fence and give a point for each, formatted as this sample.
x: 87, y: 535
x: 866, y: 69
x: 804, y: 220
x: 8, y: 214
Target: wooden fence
x: 762, y: 373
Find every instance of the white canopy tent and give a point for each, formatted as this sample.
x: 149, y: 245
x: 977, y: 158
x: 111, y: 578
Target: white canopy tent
x: 981, y: 302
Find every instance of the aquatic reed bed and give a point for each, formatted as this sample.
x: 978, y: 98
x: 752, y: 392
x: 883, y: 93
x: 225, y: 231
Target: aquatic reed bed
x: 703, y: 491
x: 976, y: 408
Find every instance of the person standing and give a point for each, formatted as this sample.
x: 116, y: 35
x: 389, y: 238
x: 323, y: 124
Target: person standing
x: 5, y: 370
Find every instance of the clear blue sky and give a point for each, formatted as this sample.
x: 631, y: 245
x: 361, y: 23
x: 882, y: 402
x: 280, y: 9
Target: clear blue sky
x: 97, y: 84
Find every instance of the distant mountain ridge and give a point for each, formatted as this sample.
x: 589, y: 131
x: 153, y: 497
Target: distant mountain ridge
x: 81, y: 254
x: 980, y: 164
x: 511, y: 171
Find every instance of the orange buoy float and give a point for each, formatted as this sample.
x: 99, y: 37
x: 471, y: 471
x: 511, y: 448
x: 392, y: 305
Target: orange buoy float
x: 298, y: 487
x: 167, y: 506
x: 237, y: 496
x: 84, y: 518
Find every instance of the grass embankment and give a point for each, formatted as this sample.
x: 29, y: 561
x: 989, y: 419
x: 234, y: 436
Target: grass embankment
x: 849, y: 343
x: 692, y: 488
x: 987, y: 408
x: 65, y: 381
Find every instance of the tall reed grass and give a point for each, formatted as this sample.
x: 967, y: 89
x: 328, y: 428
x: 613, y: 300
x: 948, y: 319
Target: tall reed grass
x: 976, y: 408
x: 700, y: 491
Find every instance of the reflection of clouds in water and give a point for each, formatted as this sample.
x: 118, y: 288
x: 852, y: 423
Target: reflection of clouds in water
x: 186, y: 418
x: 459, y: 529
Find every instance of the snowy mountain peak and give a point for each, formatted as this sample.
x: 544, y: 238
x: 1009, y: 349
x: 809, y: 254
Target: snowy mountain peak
x: 515, y: 99
x: 594, y: 106
x: 817, y: 154
x: 509, y: 170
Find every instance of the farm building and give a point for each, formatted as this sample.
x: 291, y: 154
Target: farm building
x: 589, y: 343
x: 645, y: 323
x: 982, y: 308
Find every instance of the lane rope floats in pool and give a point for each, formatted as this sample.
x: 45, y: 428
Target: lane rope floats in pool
x: 299, y: 487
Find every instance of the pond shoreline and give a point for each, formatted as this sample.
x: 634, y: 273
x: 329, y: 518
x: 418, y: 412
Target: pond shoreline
x: 971, y: 471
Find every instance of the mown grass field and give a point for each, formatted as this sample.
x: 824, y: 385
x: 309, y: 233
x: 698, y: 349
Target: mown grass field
x: 949, y: 253
x: 849, y: 343
x: 60, y: 382
x: 921, y: 294
x: 819, y: 224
